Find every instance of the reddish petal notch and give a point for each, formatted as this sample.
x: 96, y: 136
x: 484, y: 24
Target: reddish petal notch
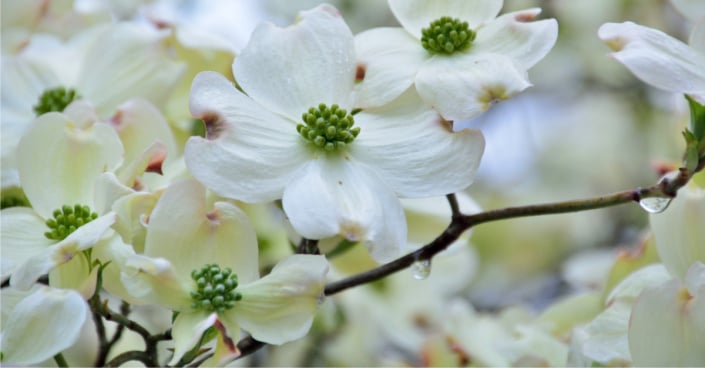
x: 215, y: 125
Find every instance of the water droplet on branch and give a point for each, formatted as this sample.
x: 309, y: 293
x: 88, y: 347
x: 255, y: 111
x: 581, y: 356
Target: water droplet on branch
x: 655, y: 204
x: 421, y: 269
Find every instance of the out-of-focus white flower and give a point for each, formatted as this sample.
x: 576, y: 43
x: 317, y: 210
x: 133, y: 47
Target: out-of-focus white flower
x: 336, y: 175
x: 458, y: 55
x: 659, y: 59
x: 694, y: 10
x: 105, y: 65
x: 667, y: 323
x: 208, y: 271
x: 678, y: 231
x: 60, y: 160
x: 41, y: 325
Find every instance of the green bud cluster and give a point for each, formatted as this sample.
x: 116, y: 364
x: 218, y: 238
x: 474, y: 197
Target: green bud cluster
x: 215, y: 288
x: 328, y: 128
x: 55, y: 99
x: 67, y: 219
x: 447, y: 35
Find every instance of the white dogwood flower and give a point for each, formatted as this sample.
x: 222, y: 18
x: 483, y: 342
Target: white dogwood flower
x: 458, y: 54
x: 659, y: 59
x: 293, y: 136
x: 208, y: 271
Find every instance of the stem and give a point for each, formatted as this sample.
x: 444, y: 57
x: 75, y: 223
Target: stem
x: 97, y: 312
x: 308, y: 246
x: 248, y: 345
x: 453, y: 203
x: 60, y: 360
x: 132, y: 355
x: 667, y: 187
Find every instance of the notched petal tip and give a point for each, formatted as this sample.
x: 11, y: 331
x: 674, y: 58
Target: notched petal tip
x: 215, y: 125
x: 360, y: 72
x: 446, y: 124
x: 527, y: 15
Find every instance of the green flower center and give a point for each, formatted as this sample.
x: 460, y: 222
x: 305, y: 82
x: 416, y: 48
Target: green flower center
x: 67, y: 219
x: 215, y: 289
x: 447, y: 35
x: 55, y: 99
x: 329, y: 128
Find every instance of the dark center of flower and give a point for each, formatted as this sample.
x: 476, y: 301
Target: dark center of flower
x: 329, y: 128
x: 447, y: 35
x: 215, y: 288
x: 55, y: 99
x: 67, y: 219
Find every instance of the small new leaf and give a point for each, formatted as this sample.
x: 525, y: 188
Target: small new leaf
x: 697, y: 118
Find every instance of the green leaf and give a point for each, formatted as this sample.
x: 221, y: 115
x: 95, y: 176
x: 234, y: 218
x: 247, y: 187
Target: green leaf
x: 692, y: 158
x: 697, y: 118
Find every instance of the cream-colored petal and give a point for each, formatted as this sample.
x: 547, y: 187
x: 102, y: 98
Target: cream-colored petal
x: 465, y: 86
x: 667, y: 326
x: 607, y: 342
x: 140, y: 124
x: 280, y: 306
x: 138, y: 65
x: 415, y: 15
x: 42, y: 325
x: 154, y: 280
x: 222, y: 234
x: 64, y: 251
x: 22, y: 237
x: 187, y: 331
x: 679, y: 234
x: 289, y: 70
x: 56, y: 151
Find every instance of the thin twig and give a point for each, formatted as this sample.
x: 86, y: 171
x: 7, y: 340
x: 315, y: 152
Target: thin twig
x: 132, y: 355
x: 454, y: 207
x: 665, y: 188
x: 308, y: 246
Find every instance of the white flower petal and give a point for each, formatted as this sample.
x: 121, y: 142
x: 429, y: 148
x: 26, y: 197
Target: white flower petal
x: 249, y: 153
x: 222, y: 235
x: 76, y: 275
x: 632, y: 285
x: 187, y: 330
x: 280, y: 306
x: 408, y: 146
x: 155, y: 281
x: 679, y: 234
x: 694, y: 10
x: 291, y: 69
x: 465, y: 86
x: 415, y: 15
x: 697, y: 36
x: 22, y: 237
x: 695, y: 278
x: 138, y: 65
x: 388, y: 60
x: 667, y: 327
x: 139, y: 125
x: 518, y: 37
x: 83, y: 238
x: 42, y: 325
x: 655, y: 57
x: 607, y: 342
x: 226, y: 347
x: 56, y: 151
x: 336, y: 196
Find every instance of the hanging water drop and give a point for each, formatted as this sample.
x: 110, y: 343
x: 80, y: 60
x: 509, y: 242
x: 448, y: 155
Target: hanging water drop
x: 655, y: 204
x: 421, y: 269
